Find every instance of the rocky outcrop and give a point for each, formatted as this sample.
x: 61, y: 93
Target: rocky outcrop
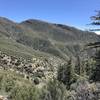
x: 40, y: 68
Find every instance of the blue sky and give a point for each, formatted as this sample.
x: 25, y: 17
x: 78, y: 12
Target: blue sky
x: 70, y: 12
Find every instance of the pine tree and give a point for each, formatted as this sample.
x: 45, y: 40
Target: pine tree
x: 77, y: 66
x: 95, y: 20
x: 65, y: 74
x: 96, y: 71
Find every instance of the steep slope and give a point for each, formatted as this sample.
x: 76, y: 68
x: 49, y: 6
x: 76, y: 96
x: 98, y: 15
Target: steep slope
x: 58, y: 32
x: 39, y: 38
x: 68, y: 40
x: 19, y: 35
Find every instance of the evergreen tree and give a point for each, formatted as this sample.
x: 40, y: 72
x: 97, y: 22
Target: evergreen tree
x: 95, y: 20
x: 65, y: 74
x: 77, y: 66
x: 96, y: 70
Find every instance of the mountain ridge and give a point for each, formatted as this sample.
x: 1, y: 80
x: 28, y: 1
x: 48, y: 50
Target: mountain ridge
x: 35, y: 37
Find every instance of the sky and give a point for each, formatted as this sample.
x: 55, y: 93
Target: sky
x: 70, y: 12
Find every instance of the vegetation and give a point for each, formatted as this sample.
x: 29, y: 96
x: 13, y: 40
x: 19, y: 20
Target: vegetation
x: 66, y: 74
x: 54, y: 90
x: 16, y: 87
x: 34, y: 37
x: 24, y: 92
x: 69, y: 81
x: 96, y: 69
x: 95, y: 20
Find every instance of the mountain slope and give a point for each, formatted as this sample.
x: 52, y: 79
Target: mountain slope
x: 39, y: 38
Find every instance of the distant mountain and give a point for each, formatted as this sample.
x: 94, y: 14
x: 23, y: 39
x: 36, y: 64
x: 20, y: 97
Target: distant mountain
x: 38, y: 38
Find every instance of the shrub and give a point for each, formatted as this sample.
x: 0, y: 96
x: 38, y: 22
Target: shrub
x: 95, y: 76
x: 54, y: 90
x: 8, y: 84
x: 24, y: 93
x: 83, y: 90
x: 7, y: 81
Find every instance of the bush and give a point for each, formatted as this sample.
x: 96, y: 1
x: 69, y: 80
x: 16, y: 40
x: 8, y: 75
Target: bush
x: 8, y: 84
x: 83, y: 90
x: 7, y: 81
x: 54, y: 90
x: 24, y: 93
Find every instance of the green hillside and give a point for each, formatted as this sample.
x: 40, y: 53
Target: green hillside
x: 47, y: 61
x: 39, y: 38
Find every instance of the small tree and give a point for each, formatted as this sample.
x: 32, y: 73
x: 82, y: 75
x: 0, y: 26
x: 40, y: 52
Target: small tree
x: 65, y: 74
x: 78, y: 67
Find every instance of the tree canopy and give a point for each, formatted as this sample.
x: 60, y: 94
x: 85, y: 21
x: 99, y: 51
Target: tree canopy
x: 95, y: 20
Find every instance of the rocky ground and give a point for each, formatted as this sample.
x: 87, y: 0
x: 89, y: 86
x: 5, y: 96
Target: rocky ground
x: 3, y: 97
x: 39, y: 69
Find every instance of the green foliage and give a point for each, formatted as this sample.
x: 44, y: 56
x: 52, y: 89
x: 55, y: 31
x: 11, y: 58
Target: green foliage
x: 84, y: 66
x: 6, y: 82
x: 95, y: 21
x: 9, y: 80
x: 78, y: 66
x: 24, y: 92
x: 96, y: 18
x: 54, y: 90
x: 89, y: 66
x: 66, y: 74
x: 34, y: 37
x: 95, y: 76
x: 13, y: 48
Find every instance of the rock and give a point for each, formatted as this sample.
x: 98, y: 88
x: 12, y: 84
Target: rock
x: 36, y: 81
x: 3, y: 98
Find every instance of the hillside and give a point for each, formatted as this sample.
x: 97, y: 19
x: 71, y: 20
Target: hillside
x: 38, y: 38
x: 38, y: 62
